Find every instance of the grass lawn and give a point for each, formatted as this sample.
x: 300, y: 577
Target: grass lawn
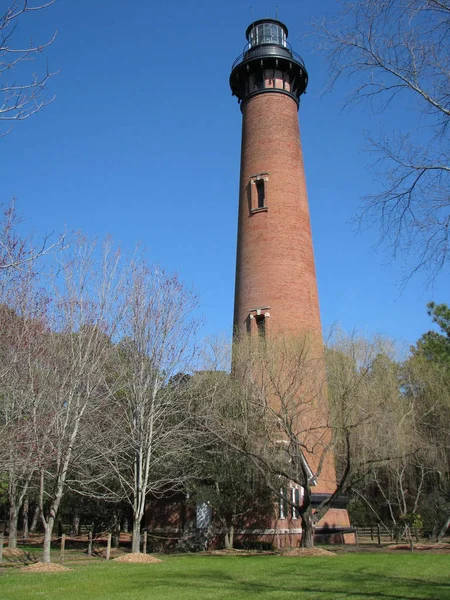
x: 191, y: 577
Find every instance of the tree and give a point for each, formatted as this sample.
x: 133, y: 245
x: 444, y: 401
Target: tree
x: 401, y: 442
x: 151, y: 424
x: 391, y: 450
x: 427, y: 375
x: 433, y: 346
x: 69, y: 378
x: 19, y: 256
x: 289, y: 379
x: 20, y: 343
x: 397, y: 51
x: 281, y: 421
x: 235, y: 491
x: 21, y: 98
x: 308, y: 415
x: 23, y: 314
x: 227, y: 479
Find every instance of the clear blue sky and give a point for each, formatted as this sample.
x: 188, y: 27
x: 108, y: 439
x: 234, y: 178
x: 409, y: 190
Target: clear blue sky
x: 143, y: 142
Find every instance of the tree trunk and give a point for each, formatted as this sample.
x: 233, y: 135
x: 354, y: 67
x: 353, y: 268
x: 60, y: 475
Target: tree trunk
x: 443, y: 531
x: 35, y: 518
x: 46, y: 558
x: 307, y: 530
x: 116, y: 530
x: 76, y: 524
x: 12, y: 529
x: 229, y: 537
x: 136, y: 540
x: 25, y: 518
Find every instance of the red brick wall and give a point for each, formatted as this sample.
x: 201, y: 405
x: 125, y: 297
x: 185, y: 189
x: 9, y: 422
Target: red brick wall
x: 275, y: 261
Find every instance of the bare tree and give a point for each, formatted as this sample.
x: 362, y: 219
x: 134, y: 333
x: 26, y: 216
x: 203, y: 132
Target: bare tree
x: 291, y: 417
x: 21, y: 98
x: 23, y: 306
x: 289, y: 378
x: 21, y: 330
x: 19, y: 255
x: 69, y: 379
x: 280, y: 420
x: 397, y: 52
x: 151, y: 423
x: 23, y: 321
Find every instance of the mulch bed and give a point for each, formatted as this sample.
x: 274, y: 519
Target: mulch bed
x: 308, y: 552
x: 137, y: 557
x: 41, y: 567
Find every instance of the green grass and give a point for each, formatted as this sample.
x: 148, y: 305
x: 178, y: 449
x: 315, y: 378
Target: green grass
x: 354, y: 576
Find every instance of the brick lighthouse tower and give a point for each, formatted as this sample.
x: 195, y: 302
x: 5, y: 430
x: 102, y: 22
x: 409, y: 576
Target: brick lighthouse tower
x: 276, y: 286
x: 276, y: 289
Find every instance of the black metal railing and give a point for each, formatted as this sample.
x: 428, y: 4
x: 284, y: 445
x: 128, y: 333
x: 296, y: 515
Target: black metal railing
x: 287, y: 47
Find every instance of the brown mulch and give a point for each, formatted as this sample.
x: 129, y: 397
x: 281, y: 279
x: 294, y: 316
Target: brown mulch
x: 41, y: 567
x: 308, y: 552
x: 137, y: 557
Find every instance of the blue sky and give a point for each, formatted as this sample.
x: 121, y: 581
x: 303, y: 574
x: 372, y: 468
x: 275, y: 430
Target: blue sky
x: 143, y: 142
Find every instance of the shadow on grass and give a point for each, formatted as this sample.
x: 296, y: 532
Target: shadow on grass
x: 231, y: 578
x: 18, y: 560
x: 318, y: 580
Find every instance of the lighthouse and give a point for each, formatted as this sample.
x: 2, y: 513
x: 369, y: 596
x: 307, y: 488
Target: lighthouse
x: 276, y: 287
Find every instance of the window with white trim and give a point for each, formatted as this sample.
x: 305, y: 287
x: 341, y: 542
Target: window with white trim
x: 296, y: 497
x: 258, y: 192
x: 282, y: 504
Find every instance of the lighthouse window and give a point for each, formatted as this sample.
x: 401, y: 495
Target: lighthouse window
x: 267, y: 33
x: 261, y: 325
x: 259, y: 80
x: 260, y: 192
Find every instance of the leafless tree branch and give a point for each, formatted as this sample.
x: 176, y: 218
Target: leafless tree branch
x: 21, y: 99
x: 398, y: 51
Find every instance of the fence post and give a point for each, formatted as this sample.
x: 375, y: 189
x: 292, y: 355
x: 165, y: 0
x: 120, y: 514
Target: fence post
x: 89, y: 552
x: 108, y: 547
x: 63, y: 547
x: 1, y: 547
x: 144, y: 543
x: 379, y: 534
x: 371, y: 533
x: 356, y: 536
